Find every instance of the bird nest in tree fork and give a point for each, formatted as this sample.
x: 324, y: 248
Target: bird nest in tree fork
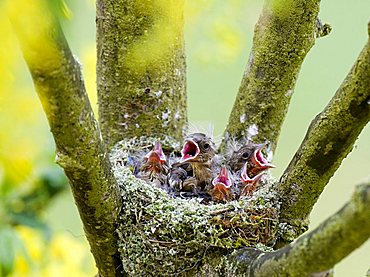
x: 182, y: 234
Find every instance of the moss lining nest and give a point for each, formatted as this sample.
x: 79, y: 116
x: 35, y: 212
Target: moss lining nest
x: 182, y: 235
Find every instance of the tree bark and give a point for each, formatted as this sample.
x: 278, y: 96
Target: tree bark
x: 141, y: 69
x: 329, y: 139
x: 80, y: 149
x: 284, y: 33
x: 317, y: 251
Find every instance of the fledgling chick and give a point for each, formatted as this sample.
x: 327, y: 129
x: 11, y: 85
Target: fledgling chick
x: 248, y: 165
x: 199, y: 151
x: 154, y: 168
x: 194, y: 171
x: 180, y: 178
x: 221, y: 187
x: 248, y: 184
x: 251, y: 154
x: 239, y: 157
x: 258, y: 163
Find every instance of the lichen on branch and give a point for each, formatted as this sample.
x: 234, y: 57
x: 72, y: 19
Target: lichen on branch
x: 137, y: 229
x: 317, y: 251
x: 80, y: 149
x: 283, y: 35
x: 141, y: 69
x: 329, y: 139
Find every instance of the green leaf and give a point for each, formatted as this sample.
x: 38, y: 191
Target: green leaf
x: 31, y: 221
x: 8, y: 244
x: 53, y: 180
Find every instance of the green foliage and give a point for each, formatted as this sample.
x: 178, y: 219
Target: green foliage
x: 61, y: 8
x: 9, y: 245
x: 25, y: 206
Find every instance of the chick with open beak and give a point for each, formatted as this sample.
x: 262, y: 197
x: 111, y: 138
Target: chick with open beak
x: 199, y: 151
x: 154, y: 168
x: 221, y: 187
x: 194, y: 171
x: 258, y: 163
x: 239, y: 157
x: 248, y: 184
x: 248, y: 166
x: 251, y: 154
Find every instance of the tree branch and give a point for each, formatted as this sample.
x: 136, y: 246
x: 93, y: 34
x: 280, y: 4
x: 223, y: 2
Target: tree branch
x: 284, y: 34
x: 328, y: 141
x: 80, y: 150
x: 317, y: 251
x: 141, y: 69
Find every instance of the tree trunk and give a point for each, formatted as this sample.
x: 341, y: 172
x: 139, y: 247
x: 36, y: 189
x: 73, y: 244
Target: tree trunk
x: 141, y: 74
x: 139, y: 230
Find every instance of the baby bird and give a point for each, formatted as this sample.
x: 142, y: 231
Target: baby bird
x: 154, y: 168
x: 248, y: 184
x: 258, y: 163
x: 241, y: 156
x: 252, y: 154
x: 248, y: 165
x: 197, y: 159
x: 180, y: 178
x: 221, y: 187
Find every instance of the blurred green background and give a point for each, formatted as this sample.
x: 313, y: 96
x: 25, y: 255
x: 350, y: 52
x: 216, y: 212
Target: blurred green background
x: 218, y: 39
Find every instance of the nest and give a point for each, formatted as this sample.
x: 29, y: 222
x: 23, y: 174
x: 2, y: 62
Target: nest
x: 181, y: 235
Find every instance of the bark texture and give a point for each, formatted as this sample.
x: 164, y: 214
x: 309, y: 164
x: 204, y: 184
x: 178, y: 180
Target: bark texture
x: 141, y: 69
x: 284, y: 33
x: 80, y: 149
x: 317, y: 251
x: 329, y: 139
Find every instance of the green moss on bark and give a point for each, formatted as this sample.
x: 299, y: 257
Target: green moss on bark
x: 80, y: 149
x: 141, y: 69
x: 283, y: 36
x: 329, y: 139
x: 317, y: 251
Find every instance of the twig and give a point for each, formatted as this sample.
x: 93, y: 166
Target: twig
x: 221, y: 211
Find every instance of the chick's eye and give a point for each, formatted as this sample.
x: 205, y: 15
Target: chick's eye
x: 245, y: 155
x: 206, y: 146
